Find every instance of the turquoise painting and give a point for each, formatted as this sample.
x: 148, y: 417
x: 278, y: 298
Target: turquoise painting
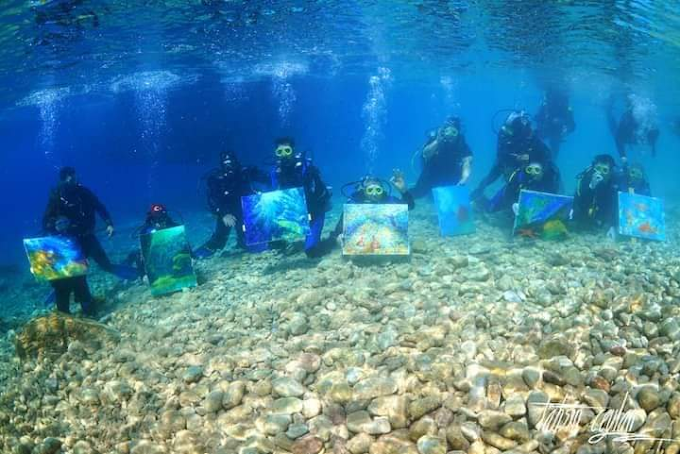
x: 167, y: 260
x: 275, y: 215
x: 642, y: 217
x: 55, y: 257
x: 375, y: 229
x: 454, y: 210
x: 542, y: 215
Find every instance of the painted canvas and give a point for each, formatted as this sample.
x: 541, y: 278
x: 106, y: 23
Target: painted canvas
x: 167, y: 260
x: 275, y: 215
x: 542, y: 215
x: 641, y: 217
x: 375, y: 229
x: 55, y: 257
x: 454, y: 210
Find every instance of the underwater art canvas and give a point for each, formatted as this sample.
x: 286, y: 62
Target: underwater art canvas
x: 542, y: 215
x: 642, y: 217
x: 55, y: 257
x: 167, y: 260
x: 454, y: 210
x: 375, y: 229
x: 275, y: 215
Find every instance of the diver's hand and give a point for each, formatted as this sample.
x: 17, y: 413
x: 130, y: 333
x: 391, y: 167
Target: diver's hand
x: 571, y: 215
x: 109, y: 231
x: 398, y: 180
x: 611, y: 233
x: 229, y: 220
x: 624, y: 160
x: 340, y: 240
x: 515, y: 208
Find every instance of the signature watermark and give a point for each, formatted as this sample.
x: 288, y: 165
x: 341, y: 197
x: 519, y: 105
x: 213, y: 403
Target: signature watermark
x: 615, y: 423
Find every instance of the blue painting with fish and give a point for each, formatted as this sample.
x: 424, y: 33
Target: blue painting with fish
x: 642, y: 217
x: 275, y: 215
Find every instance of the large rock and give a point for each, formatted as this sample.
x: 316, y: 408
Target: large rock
x: 493, y: 420
x: 234, y: 395
x: 431, y: 445
x: 422, y: 406
x: 393, y: 407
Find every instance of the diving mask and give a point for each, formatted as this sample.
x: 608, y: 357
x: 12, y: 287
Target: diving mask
x: 283, y: 151
x: 602, y: 169
x: 374, y: 190
x: 451, y: 132
x: 635, y: 174
x: 534, y: 170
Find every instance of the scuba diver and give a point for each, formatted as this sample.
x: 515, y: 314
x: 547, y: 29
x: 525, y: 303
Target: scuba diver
x: 633, y: 179
x: 517, y: 146
x: 370, y: 190
x: 446, y: 159
x: 555, y: 119
x: 534, y: 177
x: 294, y: 170
x: 631, y: 129
x: 157, y: 218
x: 71, y: 210
x: 226, y: 186
x: 596, y: 194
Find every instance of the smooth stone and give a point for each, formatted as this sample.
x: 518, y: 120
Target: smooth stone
x: 456, y: 439
x: 649, y: 398
x: 297, y: 430
x: 420, y: 407
x: 307, y: 445
x: 287, y: 405
x: 393, y: 407
x: 359, y: 444
x: 491, y: 419
x: 515, y: 407
x: 340, y: 393
x: 83, y: 447
x: 213, y: 401
x: 273, y: 424
x: 498, y: 441
x: 49, y: 445
x: 287, y: 387
x: 516, y: 430
x: 192, y: 374
x: 373, y: 387
x: 311, y: 408
x: 234, y: 395
x: 431, y: 445
x: 361, y: 421
x: 424, y: 426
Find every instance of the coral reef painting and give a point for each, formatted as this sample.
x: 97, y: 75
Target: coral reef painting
x: 542, y: 215
x: 275, y: 215
x: 642, y: 217
x: 454, y: 210
x: 375, y: 229
x: 167, y: 260
x: 55, y: 257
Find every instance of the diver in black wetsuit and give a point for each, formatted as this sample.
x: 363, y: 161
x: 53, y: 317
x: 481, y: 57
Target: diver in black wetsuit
x: 370, y: 190
x: 595, y: 200
x: 226, y: 186
x: 534, y: 177
x: 71, y: 210
x: 157, y: 218
x: 517, y: 146
x: 294, y: 170
x: 630, y: 130
x: 446, y: 159
x: 555, y: 119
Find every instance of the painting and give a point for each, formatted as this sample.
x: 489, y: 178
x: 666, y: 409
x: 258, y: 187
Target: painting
x: 641, y: 217
x: 375, y: 229
x: 275, y: 215
x: 55, y: 257
x: 542, y: 215
x: 454, y: 210
x: 167, y: 260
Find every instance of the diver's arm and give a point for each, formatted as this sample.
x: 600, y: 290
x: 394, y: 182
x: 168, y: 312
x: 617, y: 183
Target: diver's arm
x: 430, y: 149
x: 100, y: 208
x: 213, y: 203
x: 466, y: 170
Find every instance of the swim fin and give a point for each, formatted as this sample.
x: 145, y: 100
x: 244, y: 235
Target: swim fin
x: 125, y: 272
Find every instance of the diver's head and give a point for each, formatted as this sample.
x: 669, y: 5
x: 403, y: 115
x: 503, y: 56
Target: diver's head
x: 602, y: 170
x: 285, y: 149
x: 517, y: 126
x: 229, y: 162
x: 535, y: 171
x: 451, y: 128
x: 67, y: 175
x: 636, y: 172
x: 158, y: 214
x: 373, y: 189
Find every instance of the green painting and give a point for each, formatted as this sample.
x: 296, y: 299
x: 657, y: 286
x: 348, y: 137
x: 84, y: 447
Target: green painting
x: 167, y: 260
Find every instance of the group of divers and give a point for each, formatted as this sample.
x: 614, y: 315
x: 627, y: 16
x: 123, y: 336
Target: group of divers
x: 523, y: 160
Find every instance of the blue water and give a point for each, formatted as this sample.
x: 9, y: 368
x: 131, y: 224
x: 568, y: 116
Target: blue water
x: 144, y: 117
